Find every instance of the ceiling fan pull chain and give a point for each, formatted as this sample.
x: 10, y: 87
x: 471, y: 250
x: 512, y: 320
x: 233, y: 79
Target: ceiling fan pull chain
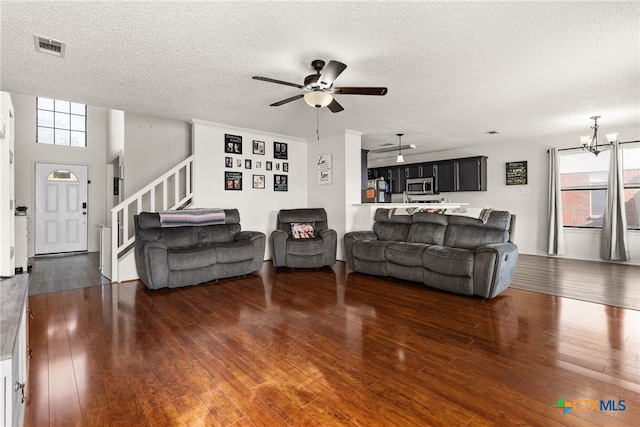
x: 318, y: 123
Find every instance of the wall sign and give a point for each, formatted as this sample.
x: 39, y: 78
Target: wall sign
x: 324, y: 169
x: 517, y: 173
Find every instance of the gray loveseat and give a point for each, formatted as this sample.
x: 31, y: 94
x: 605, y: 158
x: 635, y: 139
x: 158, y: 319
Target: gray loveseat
x: 180, y: 256
x: 452, y: 253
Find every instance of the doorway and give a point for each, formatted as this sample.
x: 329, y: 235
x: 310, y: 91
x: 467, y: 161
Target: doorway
x: 61, y: 209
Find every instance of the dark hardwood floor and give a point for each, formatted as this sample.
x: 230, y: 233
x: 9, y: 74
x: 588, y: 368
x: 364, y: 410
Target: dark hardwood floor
x: 323, y: 348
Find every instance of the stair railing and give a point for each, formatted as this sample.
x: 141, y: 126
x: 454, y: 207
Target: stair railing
x: 176, y: 191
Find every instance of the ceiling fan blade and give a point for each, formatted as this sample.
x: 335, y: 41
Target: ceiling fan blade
x: 360, y: 90
x: 331, y: 72
x: 280, y: 82
x: 335, y: 107
x: 284, y: 101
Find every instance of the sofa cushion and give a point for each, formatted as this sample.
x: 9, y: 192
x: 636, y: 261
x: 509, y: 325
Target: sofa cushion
x: 409, y: 254
x: 218, y: 233
x: 428, y: 228
x: 469, y: 233
x: 446, y: 260
x: 304, y: 246
x: 187, y: 258
x: 370, y: 250
x: 239, y: 250
x: 391, y: 232
x: 179, y: 237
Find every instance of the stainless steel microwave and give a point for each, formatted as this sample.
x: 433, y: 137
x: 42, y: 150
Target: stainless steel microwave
x: 419, y: 186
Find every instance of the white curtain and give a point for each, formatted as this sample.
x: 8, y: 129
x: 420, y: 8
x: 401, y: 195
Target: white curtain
x: 556, y: 234
x: 613, y: 240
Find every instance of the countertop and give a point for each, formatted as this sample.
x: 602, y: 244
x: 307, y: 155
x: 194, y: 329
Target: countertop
x: 13, y: 292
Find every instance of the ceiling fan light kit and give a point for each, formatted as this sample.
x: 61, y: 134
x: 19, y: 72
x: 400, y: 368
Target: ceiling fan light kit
x: 590, y: 142
x: 318, y: 98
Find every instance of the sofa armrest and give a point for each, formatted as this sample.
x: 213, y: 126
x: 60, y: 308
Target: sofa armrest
x: 352, y: 237
x: 279, y: 248
x: 152, y: 263
x: 259, y: 241
x: 329, y: 246
x: 493, y: 269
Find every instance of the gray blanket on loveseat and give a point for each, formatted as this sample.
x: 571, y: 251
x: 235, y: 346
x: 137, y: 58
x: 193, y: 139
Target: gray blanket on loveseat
x: 191, y: 254
x: 452, y: 253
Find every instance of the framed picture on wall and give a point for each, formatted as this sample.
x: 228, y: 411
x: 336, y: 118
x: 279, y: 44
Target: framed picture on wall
x: 280, y: 183
x: 258, y: 181
x: 269, y: 165
x: 228, y: 162
x: 280, y: 150
x: 247, y: 164
x: 258, y: 147
x: 232, y: 144
x: 233, y: 180
x: 285, y: 166
x: 517, y: 173
x: 239, y: 163
x: 258, y: 164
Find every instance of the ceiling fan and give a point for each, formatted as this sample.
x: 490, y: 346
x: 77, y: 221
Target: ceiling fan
x: 319, y: 89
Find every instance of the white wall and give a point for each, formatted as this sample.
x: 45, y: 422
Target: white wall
x: 529, y: 202
x: 339, y: 197
x: 28, y: 152
x: 258, y: 207
x: 152, y: 146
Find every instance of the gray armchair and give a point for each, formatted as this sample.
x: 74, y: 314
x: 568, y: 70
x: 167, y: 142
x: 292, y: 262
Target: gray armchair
x: 317, y: 251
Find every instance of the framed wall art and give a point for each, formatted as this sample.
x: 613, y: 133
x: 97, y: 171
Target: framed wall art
x: 258, y: 147
x: 324, y: 169
x: 285, y: 166
x: 516, y: 173
x: 280, y: 150
x: 232, y: 144
x: 269, y: 166
x: 233, y: 180
x: 228, y: 162
x: 280, y: 183
x: 258, y: 181
x: 247, y: 164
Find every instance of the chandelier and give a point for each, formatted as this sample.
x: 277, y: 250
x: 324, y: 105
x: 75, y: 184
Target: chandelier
x: 590, y: 142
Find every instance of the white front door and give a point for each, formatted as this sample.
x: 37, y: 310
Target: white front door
x: 61, y: 208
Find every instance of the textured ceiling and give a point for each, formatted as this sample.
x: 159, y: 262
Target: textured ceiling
x: 454, y: 70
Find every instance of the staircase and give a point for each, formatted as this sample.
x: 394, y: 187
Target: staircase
x: 173, y: 190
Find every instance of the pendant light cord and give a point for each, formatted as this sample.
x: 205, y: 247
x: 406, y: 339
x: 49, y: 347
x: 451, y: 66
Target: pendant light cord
x: 318, y: 123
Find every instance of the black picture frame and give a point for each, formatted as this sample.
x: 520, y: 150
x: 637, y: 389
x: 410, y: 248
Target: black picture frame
x: 233, y: 181
x: 247, y: 163
x: 258, y: 147
x: 228, y: 162
x: 232, y: 144
x: 269, y: 165
x: 280, y: 183
x: 517, y: 173
x: 259, y: 181
x: 285, y: 166
x: 280, y: 150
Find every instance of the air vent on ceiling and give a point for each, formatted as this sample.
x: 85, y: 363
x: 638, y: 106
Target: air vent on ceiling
x: 50, y: 46
x: 493, y: 132
x: 394, y: 148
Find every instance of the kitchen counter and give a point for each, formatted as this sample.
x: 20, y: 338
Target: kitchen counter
x: 13, y: 292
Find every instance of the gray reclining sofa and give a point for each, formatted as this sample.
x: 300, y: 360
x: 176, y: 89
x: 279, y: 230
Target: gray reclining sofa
x: 451, y: 253
x: 187, y: 255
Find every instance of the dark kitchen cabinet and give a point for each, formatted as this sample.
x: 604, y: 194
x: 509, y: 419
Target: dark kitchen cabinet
x: 467, y: 174
x: 472, y: 174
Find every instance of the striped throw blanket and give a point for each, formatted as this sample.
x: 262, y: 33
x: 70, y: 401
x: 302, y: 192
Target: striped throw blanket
x: 186, y: 217
x: 475, y: 213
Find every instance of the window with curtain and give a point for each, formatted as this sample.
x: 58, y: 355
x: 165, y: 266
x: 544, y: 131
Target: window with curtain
x: 61, y: 122
x: 583, y: 182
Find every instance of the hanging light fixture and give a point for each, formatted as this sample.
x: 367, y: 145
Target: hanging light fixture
x: 590, y: 142
x: 400, y: 159
x: 318, y: 98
